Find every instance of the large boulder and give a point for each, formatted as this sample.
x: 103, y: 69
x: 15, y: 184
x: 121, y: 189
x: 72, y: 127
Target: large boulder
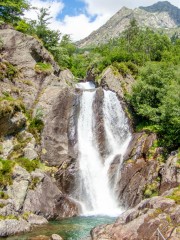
x: 143, y: 222
x: 114, y: 81
x: 45, y: 199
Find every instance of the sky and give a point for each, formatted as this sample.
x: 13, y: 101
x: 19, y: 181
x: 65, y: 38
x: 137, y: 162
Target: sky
x: 79, y: 18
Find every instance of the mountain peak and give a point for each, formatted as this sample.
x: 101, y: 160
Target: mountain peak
x: 165, y: 6
x: 161, y: 15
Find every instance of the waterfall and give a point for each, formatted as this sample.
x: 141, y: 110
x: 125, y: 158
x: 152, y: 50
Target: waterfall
x: 96, y: 195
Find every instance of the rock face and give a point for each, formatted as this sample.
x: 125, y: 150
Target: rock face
x: 59, y: 137
x: 162, y: 16
x: 144, y: 172
x: 143, y: 221
x: 115, y: 82
x: 25, y: 52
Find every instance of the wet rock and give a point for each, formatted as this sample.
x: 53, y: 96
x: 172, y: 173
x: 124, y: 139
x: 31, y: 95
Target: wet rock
x: 67, y: 175
x: 98, y: 125
x: 56, y: 237
x: 143, y: 221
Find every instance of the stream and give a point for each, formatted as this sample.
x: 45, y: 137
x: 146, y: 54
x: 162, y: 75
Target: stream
x: 74, y: 228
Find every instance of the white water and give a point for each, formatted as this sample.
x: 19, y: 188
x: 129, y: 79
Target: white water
x: 96, y: 195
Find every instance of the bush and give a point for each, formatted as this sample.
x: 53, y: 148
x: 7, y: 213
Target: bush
x: 29, y: 165
x: 45, y: 68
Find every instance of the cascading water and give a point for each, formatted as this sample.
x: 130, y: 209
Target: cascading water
x: 95, y: 194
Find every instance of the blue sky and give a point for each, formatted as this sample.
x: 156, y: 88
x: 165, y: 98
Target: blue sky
x: 79, y: 18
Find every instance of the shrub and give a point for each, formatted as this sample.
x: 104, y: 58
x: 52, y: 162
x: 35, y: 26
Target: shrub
x: 29, y: 165
x: 45, y: 68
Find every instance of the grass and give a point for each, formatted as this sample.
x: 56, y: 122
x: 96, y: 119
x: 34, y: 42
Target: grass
x: 43, y: 68
x: 9, y: 105
x: 175, y: 195
x: 6, y: 170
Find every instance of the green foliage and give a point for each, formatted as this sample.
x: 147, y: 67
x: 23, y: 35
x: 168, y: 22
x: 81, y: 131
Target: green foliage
x: 175, y: 195
x: 156, y: 101
x: 151, y: 190
x: 34, y: 183
x: 6, y: 167
x: 9, y: 71
x: 36, y: 125
x: 43, y: 68
x: 29, y: 165
x: 11, y: 11
x: 9, y: 105
x: 3, y: 195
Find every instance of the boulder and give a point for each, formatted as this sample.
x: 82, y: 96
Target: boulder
x: 18, y: 190
x: 45, y: 199
x: 143, y: 222
x: 12, y: 226
x: 56, y: 237
x: 114, y: 81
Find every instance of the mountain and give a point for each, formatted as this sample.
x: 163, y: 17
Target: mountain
x: 161, y: 16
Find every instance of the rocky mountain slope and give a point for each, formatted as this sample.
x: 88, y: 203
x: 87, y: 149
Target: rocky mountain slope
x: 161, y: 16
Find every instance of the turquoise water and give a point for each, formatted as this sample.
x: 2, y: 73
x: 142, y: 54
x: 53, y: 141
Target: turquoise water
x: 70, y: 228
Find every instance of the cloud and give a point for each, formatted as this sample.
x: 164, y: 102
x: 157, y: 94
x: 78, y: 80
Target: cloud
x: 55, y: 8
x: 101, y: 7
x: 81, y: 25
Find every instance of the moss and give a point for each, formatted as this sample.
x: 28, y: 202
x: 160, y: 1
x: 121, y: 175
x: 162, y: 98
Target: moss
x: 26, y: 215
x: 9, y: 105
x: 34, y: 183
x: 1, y: 149
x: 151, y: 190
x: 8, y: 217
x: 43, y: 68
x: 2, y: 205
x: 35, y: 127
x: 29, y: 165
x: 3, y: 195
x: 6, y: 167
x: 9, y: 71
x: 28, y: 82
x: 175, y: 195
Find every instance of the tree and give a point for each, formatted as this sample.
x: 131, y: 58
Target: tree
x: 12, y: 10
x: 49, y: 37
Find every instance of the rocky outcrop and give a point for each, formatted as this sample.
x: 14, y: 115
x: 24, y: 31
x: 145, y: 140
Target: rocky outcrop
x: 111, y: 79
x: 31, y: 200
x: 47, y: 200
x: 170, y: 173
x: 59, y: 137
x: 143, y: 222
x: 145, y: 172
